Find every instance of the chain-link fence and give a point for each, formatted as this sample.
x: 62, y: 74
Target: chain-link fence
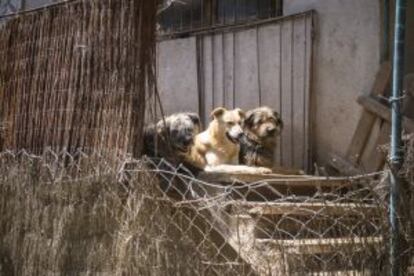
x: 78, y: 213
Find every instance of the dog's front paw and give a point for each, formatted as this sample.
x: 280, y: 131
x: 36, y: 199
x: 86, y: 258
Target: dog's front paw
x: 264, y: 170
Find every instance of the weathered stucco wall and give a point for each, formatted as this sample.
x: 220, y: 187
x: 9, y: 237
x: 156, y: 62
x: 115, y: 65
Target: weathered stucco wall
x: 346, y: 58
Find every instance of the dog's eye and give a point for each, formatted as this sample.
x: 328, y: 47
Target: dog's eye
x: 273, y: 120
x: 230, y: 123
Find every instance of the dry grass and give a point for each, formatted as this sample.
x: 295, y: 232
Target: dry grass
x: 407, y: 174
x: 79, y: 217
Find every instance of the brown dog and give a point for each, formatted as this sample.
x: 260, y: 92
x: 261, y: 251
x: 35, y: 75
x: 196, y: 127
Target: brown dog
x: 172, y: 137
x: 217, y: 148
x: 261, y: 127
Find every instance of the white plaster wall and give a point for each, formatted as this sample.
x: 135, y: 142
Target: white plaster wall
x: 346, y: 58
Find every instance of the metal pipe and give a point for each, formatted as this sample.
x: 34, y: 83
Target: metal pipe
x: 396, y: 157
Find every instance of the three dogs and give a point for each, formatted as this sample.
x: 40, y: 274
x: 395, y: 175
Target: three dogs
x: 233, y: 141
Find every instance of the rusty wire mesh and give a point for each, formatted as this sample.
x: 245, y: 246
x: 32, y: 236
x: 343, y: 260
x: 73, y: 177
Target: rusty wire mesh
x: 77, y: 213
x: 76, y: 75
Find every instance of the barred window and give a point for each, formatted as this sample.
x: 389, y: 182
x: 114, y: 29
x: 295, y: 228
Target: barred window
x: 189, y: 15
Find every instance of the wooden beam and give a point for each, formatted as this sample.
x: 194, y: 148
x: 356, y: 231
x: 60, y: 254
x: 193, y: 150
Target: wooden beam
x: 381, y: 110
x: 318, y: 246
x: 307, y: 209
x: 367, y: 119
x: 218, y: 177
x: 275, y: 179
x: 373, y: 158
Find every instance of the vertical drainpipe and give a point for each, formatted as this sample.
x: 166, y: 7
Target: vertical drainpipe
x: 396, y: 157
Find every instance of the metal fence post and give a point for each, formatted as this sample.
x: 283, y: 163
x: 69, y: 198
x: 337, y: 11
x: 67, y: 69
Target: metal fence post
x: 396, y: 157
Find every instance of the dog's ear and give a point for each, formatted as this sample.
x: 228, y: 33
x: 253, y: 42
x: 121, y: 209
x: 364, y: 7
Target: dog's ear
x: 249, y: 120
x: 217, y: 112
x: 194, y: 118
x: 162, y: 127
x: 241, y: 113
x: 278, y: 118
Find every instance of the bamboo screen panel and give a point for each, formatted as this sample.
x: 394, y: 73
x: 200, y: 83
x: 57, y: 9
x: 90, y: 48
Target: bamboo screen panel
x: 75, y: 75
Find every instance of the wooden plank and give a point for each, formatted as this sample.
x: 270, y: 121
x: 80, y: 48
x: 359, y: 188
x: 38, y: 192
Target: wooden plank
x: 307, y: 209
x: 371, y: 145
x: 318, y: 246
x: 270, y: 62
x: 375, y: 159
x: 177, y: 58
x: 308, y: 79
x: 299, y: 92
x: 286, y: 95
x: 207, y: 72
x: 381, y: 110
x: 218, y: 70
x: 367, y: 119
x: 247, y: 95
x: 203, y: 225
x: 275, y: 179
x: 366, y: 272
x: 229, y: 70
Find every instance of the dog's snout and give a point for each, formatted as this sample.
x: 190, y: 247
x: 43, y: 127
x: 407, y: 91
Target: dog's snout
x: 271, y: 130
x: 187, y: 141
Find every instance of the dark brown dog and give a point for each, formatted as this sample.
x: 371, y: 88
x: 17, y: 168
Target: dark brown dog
x: 172, y: 137
x: 171, y: 140
x: 261, y: 128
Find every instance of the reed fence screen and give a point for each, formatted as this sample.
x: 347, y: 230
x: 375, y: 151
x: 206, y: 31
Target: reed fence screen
x: 75, y: 75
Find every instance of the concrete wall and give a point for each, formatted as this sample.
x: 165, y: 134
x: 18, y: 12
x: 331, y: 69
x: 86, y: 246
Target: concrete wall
x: 346, y: 58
